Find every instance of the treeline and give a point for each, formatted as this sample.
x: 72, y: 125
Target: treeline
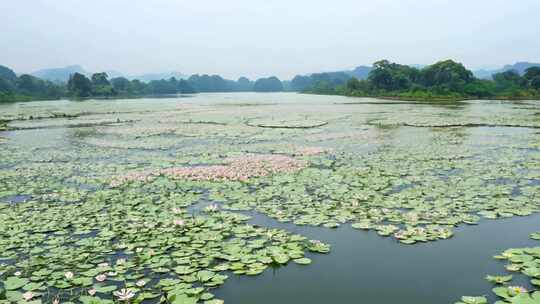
x: 444, y: 80
x: 26, y: 87
x: 99, y: 85
x: 447, y: 80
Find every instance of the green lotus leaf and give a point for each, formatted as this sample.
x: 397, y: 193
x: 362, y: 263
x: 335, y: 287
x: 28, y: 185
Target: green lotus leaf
x: 474, y: 300
x: 302, y: 261
x: 205, y: 275
x: 499, y: 279
x: 104, y: 288
x: 13, y: 283
x: 94, y: 300
x: 182, y: 299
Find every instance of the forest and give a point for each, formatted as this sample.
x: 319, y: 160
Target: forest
x: 100, y: 85
x: 444, y: 80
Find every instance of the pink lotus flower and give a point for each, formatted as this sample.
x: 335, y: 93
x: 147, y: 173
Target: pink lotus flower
x: 69, y: 275
x: 56, y: 301
x: 18, y: 273
x: 101, y: 278
x: 139, y: 250
x: 92, y: 291
x: 28, y: 295
x: 140, y: 283
x: 179, y: 223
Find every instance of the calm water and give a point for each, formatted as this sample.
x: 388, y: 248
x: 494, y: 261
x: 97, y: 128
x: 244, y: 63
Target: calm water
x: 366, y: 268
x: 362, y: 267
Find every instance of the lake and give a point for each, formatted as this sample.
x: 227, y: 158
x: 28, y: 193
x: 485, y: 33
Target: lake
x: 413, y: 199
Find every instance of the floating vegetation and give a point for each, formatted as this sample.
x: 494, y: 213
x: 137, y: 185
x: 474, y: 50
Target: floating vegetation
x: 520, y: 261
x: 126, y: 244
x: 127, y: 202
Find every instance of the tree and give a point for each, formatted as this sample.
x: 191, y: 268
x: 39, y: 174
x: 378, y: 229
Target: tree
x: 207, y: 83
x: 140, y: 88
x: 531, y: 73
x: 270, y: 84
x: 535, y: 82
x: 508, y: 82
x: 121, y: 84
x: 7, y: 74
x: 101, y: 85
x: 79, y: 85
x: 100, y: 79
x: 323, y: 87
x: 299, y: 83
x: 389, y: 76
x: 448, y: 75
x: 243, y: 84
x: 184, y: 87
x: 30, y: 85
x: 163, y: 86
x: 532, y: 77
x: 6, y: 86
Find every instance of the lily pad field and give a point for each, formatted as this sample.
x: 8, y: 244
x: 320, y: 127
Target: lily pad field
x: 269, y: 198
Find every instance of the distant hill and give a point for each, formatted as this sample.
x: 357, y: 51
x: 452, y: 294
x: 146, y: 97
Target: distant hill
x: 360, y: 72
x: 520, y: 67
x: 59, y: 74
x: 62, y: 74
x: 7, y: 73
x: 114, y: 74
x: 158, y: 76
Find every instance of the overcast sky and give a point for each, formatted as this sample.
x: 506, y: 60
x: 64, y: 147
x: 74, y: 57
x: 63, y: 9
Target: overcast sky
x: 263, y: 37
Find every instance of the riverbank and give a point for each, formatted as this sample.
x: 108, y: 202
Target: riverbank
x: 432, y: 99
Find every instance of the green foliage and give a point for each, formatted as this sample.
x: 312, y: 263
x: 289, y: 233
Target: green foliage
x: 207, y: 83
x: 270, y: 84
x: 79, y: 85
x: 25, y: 87
x: 323, y: 87
x: 307, y: 83
x: 244, y: 85
x: 444, y: 80
x: 7, y: 74
x: 389, y: 76
x: 532, y: 77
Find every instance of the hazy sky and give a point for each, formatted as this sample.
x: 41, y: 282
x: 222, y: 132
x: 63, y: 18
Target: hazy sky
x: 263, y: 37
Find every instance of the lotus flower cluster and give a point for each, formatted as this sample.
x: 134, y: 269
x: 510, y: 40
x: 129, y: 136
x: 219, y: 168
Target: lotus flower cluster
x: 141, y: 176
x: 235, y: 168
x: 239, y: 168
